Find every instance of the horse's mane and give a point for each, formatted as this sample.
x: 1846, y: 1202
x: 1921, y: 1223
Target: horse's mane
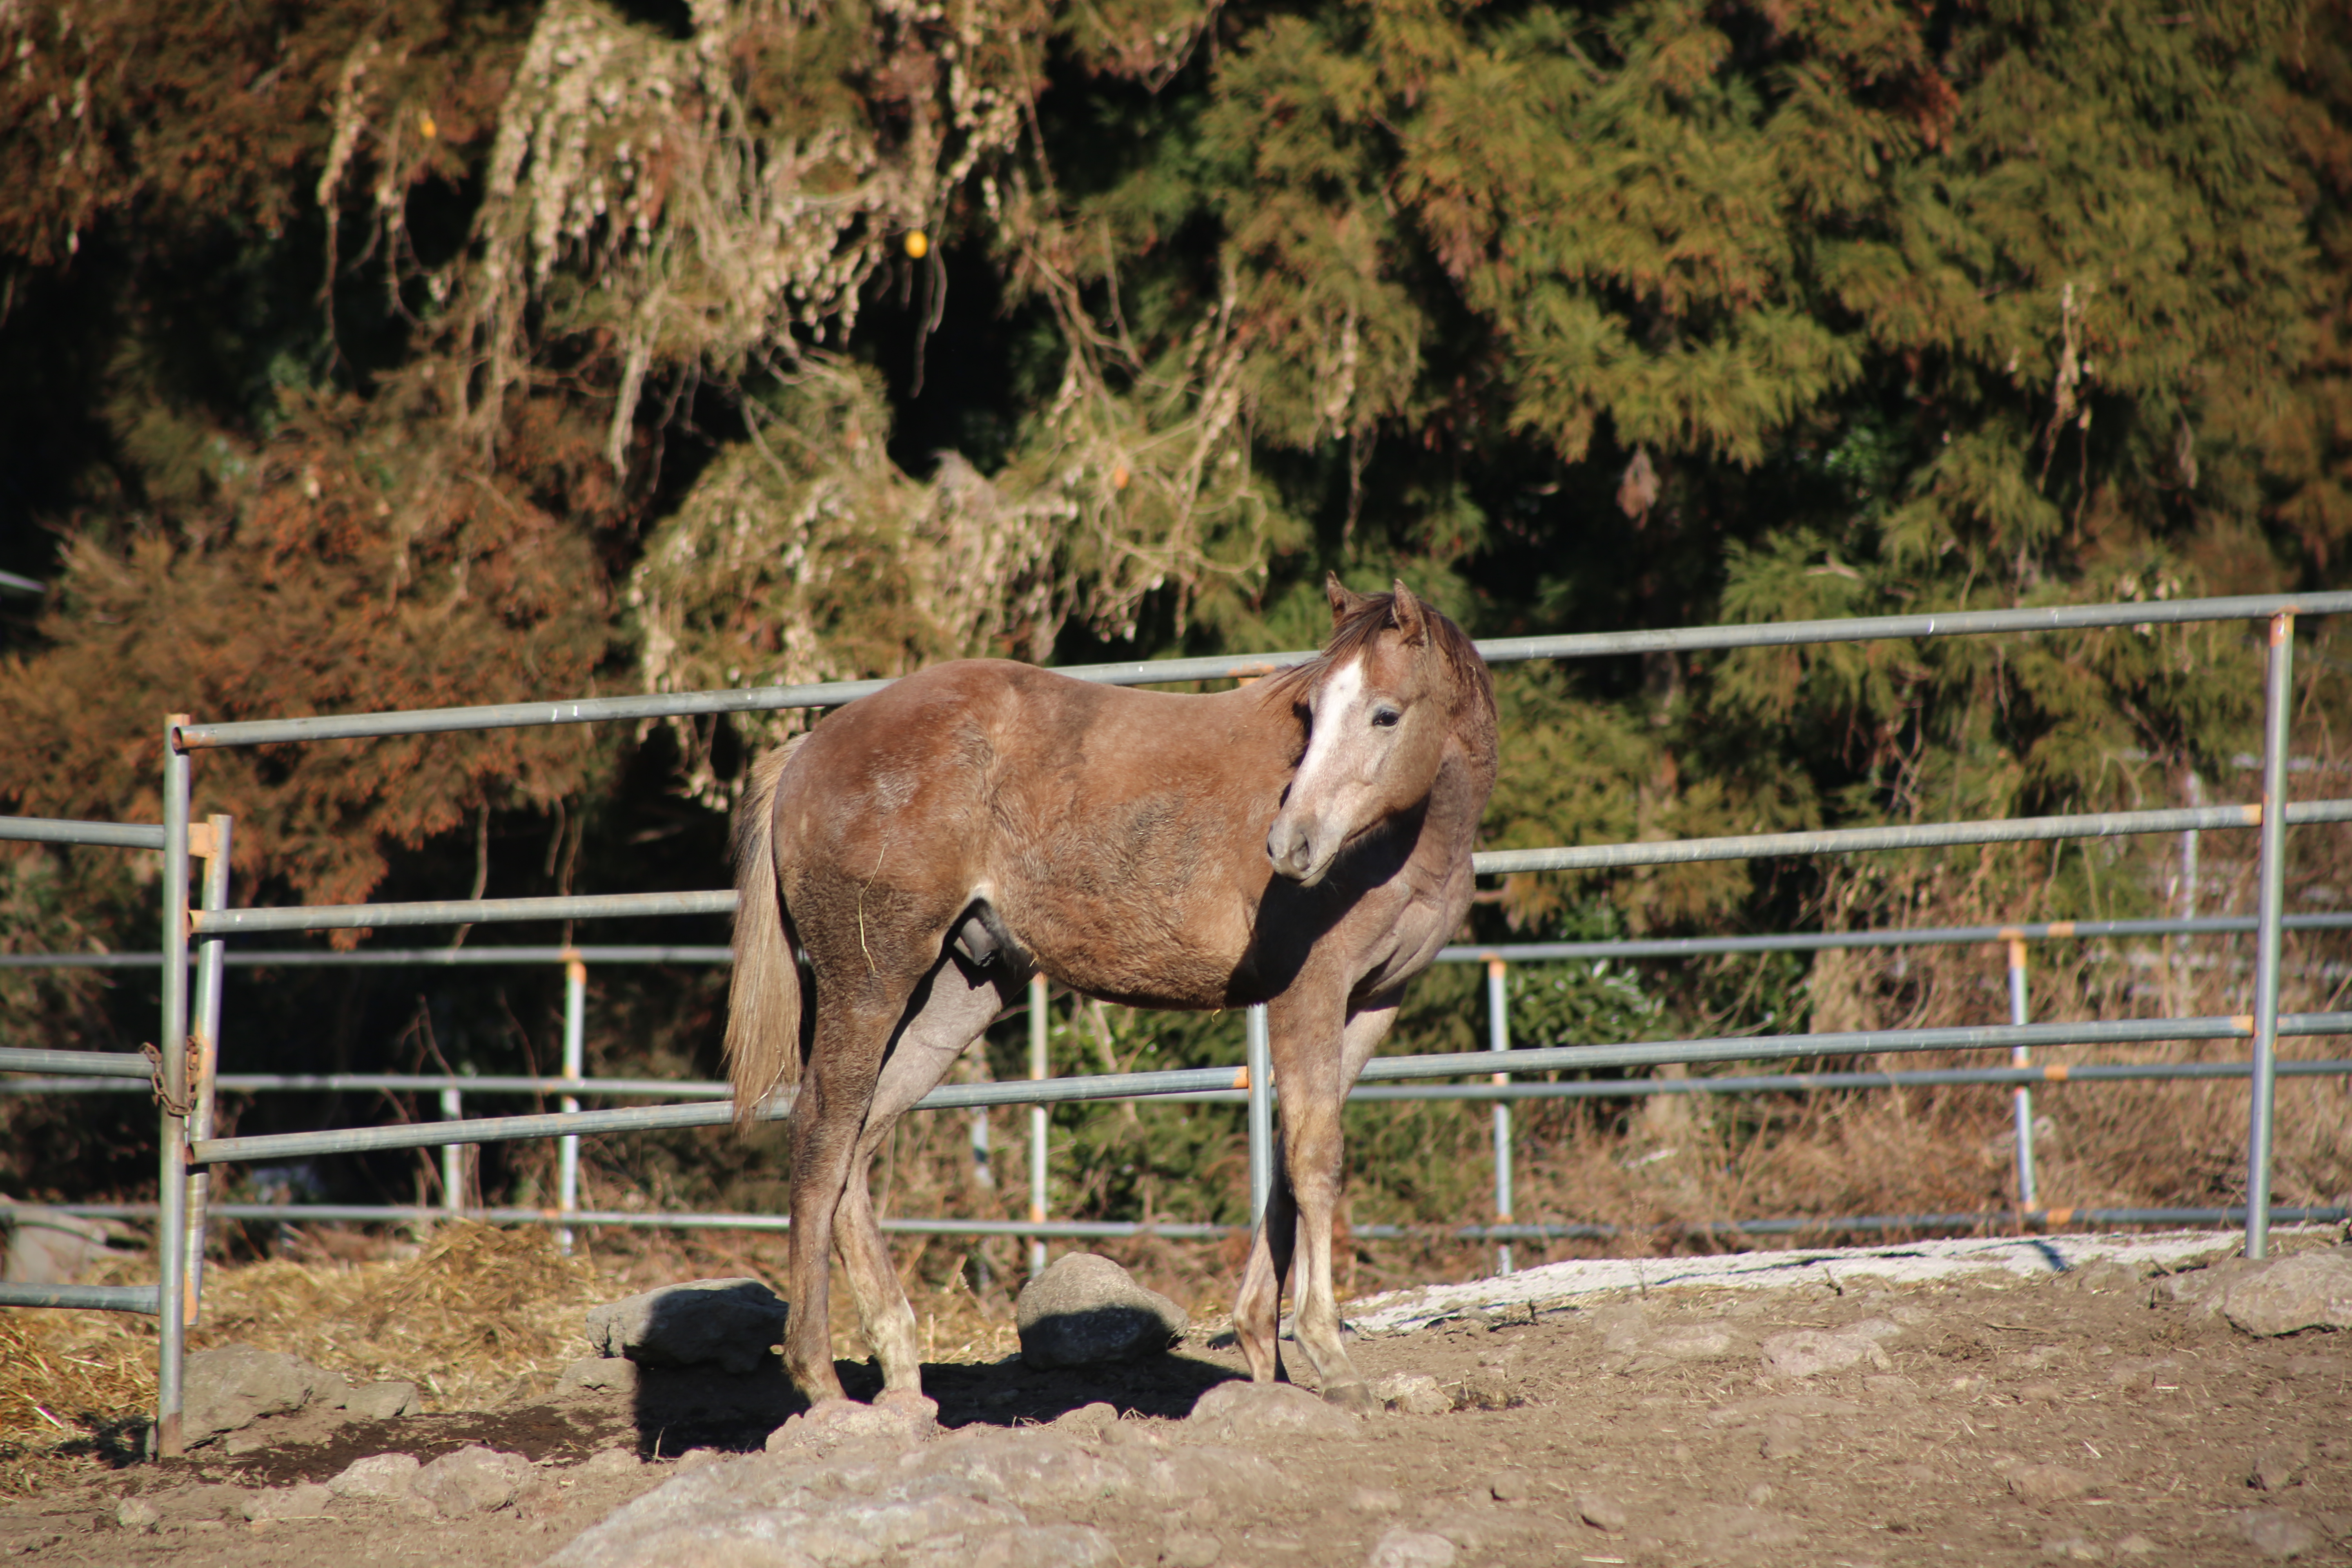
x: 1377, y: 613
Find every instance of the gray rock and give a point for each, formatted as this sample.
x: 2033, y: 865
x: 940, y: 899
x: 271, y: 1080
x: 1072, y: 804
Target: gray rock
x: 730, y: 1322
x: 1406, y: 1548
x: 1808, y: 1352
x: 2106, y: 1277
x: 377, y: 1475
x: 474, y: 1479
x: 2274, y: 1533
x: 1099, y: 1416
x: 1241, y: 1409
x: 232, y: 1388
x: 2311, y: 1291
x: 307, y: 1500
x: 2276, y: 1468
x: 1413, y: 1393
x: 1600, y: 1513
x: 2048, y: 1483
x: 136, y: 1513
x: 598, y: 1375
x: 2202, y: 1289
x: 902, y: 1422
x: 611, y: 1462
x: 1703, y: 1343
x: 383, y: 1401
x: 761, y: 1510
x: 1085, y: 1310
x: 1511, y: 1485
x: 46, y: 1248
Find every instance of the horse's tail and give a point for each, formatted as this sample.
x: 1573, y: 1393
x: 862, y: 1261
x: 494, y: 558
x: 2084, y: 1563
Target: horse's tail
x: 763, y: 1002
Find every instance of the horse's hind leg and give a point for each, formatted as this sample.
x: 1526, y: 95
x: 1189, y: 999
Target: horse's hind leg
x: 854, y: 1024
x: 948, y: 1011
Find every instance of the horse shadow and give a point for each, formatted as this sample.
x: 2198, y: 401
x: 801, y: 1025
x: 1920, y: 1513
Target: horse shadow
x: 676, y: 1409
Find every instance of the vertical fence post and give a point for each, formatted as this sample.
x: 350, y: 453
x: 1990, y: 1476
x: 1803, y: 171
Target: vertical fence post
x: 206, y: 1007
x: 172, y: 1075
x: 2189, y: 852
x: 567, y: 1150
x: 453, y: 1163
x: 2023, y: 1097
x: 1498, y: 1037
x: 983, y: 1277
x: 2280, y: 698
x: 1259, y: 1065
x: 1037, y: 1064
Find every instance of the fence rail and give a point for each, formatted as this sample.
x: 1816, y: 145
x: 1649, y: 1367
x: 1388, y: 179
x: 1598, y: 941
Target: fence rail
x: 270, y: 1146
x: 1162, y: 673
x: 141, y: 1298
x: 1574, y: 857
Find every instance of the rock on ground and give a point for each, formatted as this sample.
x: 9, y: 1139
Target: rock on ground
x: 307, y: 1500
x: 2274, y: 1533
x: 1414, y: 1393
x: 2310, y: 1290
x: 386, y: 1401
x: 475, y: 1479
x: 1085, y: 1310
x: 232, y: 1388
x: 957, y: 1502
x: 1241, y: 1409
x: 377, y: 1475
x: 1404, y: 1548
x: 2048, y: 1483
x: 46, y: 1248
x: 730, y: 1322
x: 1600, y: 1511
x: 1808, y: 1352
x: 899, y: 1422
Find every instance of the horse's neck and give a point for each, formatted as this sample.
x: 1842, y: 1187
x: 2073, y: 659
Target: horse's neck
x: 1457, y: 796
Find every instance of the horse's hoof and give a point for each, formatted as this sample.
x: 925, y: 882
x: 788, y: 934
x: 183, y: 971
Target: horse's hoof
x: 1352, y: 1397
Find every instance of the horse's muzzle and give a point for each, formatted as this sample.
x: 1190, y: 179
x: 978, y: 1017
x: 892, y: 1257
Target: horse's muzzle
x: 1291, y: 847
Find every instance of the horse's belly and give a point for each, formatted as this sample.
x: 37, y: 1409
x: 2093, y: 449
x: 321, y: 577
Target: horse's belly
x: 1128, y: 950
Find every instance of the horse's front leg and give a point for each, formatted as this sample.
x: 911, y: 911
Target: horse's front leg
x: 1257, y: 1306
x: 1313, y: 1148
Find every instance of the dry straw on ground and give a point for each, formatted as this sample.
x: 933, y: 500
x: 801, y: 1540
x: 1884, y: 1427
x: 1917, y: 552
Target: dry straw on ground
x: 476, y: 1317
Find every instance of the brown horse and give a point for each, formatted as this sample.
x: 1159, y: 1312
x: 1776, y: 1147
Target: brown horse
x: 1303, y: 841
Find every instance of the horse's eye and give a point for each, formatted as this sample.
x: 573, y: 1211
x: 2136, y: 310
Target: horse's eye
x: 1385, y: 717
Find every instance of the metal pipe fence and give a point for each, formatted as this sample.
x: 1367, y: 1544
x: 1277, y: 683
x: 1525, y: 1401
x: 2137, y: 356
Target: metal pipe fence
x: 188, y: 1148
x: 141, y: 1298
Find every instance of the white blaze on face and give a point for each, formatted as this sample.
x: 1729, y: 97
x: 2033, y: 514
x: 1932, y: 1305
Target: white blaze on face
x: 1326, y: 763
x: 1326, y: 795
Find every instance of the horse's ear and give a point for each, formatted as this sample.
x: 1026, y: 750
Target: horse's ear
x: 1343, y: 603
x: 1411, y: 616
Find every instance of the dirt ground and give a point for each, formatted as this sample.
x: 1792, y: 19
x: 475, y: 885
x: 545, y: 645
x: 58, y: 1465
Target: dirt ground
x: 2091, y: 1417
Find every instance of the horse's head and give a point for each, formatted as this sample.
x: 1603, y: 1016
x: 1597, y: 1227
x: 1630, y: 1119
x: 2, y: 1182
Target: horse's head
x: 1380, y: 705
